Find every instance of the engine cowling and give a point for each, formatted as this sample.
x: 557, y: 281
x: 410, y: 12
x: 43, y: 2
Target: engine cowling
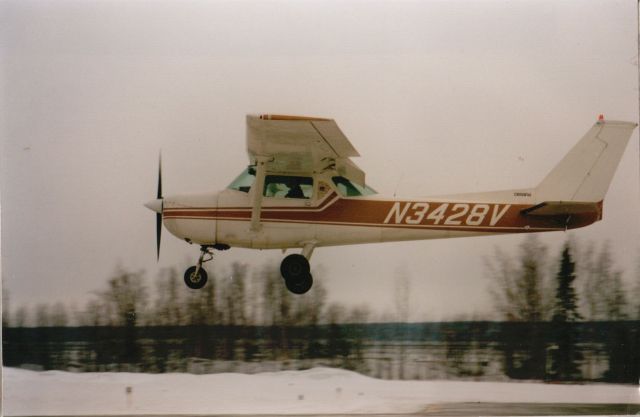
x: 192, y: 217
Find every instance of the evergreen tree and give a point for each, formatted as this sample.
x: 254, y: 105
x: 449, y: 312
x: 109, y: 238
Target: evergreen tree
x: 566, y: 355
x: 5, y: 309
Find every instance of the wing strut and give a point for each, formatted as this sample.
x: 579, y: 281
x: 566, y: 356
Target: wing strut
x: 308, y: 247
x: 258, y: 187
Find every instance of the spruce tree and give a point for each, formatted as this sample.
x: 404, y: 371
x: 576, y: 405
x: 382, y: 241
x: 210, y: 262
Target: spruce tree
x: 566, y: 355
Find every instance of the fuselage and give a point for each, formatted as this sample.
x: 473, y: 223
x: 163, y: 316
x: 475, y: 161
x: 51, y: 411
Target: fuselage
x: 327, y: 217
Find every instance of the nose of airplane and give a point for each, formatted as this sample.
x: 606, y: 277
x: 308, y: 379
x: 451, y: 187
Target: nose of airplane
x: 154, y: 205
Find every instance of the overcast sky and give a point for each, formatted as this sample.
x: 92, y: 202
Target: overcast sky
x: 438, y: 97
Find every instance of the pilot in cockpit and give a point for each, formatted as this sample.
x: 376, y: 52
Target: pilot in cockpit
x: 294, y: 190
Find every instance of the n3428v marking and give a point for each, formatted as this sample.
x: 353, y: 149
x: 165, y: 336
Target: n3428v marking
x: 447, y: 214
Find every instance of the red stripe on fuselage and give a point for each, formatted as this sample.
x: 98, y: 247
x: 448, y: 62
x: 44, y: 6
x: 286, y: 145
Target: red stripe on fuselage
x: 480, y: 217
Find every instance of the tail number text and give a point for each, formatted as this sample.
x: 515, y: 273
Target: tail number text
x: 448, y: 214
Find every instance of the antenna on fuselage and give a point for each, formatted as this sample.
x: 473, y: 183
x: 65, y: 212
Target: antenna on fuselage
x: 398, y: 183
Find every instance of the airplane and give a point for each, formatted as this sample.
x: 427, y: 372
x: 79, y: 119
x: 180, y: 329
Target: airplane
x: 302, y: 190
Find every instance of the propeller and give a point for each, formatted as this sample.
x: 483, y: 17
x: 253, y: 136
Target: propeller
x: 157, y: 206
x: 159, y: 215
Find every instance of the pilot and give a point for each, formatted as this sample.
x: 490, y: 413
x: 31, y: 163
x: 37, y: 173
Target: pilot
x: 295, y: 191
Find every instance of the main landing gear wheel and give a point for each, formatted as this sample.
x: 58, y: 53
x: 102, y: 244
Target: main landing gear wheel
x: 299, y: 285
x: 195, y: 277
x: 296, y: 273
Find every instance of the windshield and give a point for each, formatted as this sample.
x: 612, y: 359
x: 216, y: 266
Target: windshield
x: 350, y: 189
x: 244, y: 181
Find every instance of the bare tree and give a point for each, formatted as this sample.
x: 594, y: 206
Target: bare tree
x: 605, y: 298
x: 94, y: 314
x: 520, y: 288
x: 603, y: 289
x: 126, y: 297
x: 168, y: 306
x: 402, y: 295
x: 636, y: 290
x: 360, y: 314
x: 21, y: 317
x: 402, y: 298
x: 202, y: 307
x: 277, y: 307
x: 6, y: 319
x: 338, y: 348
x: 308, y: 311
x: 59, y: 316
x: 308, y: 308
x: 521, y: 294
x: 42, y: 315
x: 233, y: 307
x: 126, y: 300
x: 277, y: 302
x: 233, y: 294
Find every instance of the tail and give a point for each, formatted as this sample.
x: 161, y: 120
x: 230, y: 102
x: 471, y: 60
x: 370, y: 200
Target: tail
x: 584, y: 174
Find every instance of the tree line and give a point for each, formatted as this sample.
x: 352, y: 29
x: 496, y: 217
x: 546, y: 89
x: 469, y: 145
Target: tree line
x: 552, y: 298
x: 548, y: 307
x: 230, y: 298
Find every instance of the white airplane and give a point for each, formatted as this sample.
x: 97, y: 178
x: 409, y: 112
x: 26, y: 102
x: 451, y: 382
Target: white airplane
x: 301, y: 190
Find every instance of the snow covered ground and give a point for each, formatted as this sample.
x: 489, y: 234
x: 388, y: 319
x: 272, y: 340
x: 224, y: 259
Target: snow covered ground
x: 315, y: 391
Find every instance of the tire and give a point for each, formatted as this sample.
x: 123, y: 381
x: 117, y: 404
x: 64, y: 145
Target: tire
x: 295, y: 267
x: 193, y: 281
x: 299, y: 285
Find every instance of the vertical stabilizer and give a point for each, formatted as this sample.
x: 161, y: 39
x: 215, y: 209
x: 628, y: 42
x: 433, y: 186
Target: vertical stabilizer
x: 584, y: 174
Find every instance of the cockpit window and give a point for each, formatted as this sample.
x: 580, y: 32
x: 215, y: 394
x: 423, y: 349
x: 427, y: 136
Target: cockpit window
x: 350, y: 189
x: 244, y: 181
x: 284, y: 186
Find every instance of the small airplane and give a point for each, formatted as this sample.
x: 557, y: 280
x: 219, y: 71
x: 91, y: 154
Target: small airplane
x: 302, y: 190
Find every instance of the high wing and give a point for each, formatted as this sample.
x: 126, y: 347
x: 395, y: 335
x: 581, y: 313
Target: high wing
x: 299, y: 145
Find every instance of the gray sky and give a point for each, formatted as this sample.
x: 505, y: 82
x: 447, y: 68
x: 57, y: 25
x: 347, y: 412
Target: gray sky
x: 438, y: 98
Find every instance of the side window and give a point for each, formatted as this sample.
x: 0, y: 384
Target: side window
x: 281, y: 186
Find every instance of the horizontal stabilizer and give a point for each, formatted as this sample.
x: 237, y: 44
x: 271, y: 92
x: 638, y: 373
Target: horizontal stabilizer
x: 562, y: 208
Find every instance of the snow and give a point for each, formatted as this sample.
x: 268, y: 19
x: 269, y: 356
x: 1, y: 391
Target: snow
x: 314, y: 391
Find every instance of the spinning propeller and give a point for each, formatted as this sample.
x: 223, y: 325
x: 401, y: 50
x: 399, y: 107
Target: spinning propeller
x: 157, y: 206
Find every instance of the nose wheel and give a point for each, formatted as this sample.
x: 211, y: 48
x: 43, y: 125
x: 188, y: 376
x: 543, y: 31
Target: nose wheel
x: 195, y: 276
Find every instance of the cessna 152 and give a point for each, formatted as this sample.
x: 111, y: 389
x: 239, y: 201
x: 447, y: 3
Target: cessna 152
x: 301, y: 190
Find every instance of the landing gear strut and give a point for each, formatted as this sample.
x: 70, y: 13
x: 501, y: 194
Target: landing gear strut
x: 296, y: 273
x: 195, y: 276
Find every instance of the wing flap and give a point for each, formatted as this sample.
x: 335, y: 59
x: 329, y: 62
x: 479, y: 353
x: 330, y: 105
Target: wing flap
x: 562, y: 208
x: 332, y: 134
